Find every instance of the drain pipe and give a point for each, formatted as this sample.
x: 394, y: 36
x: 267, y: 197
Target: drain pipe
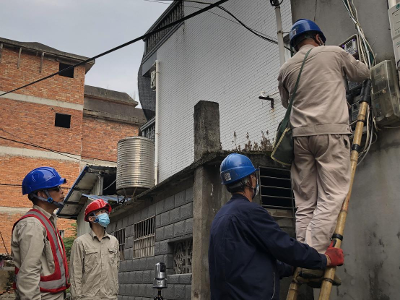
x: 280, y: 34
x: 156, y: 130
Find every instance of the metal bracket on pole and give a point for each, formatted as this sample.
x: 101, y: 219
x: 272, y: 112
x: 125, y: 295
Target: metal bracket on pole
x: 269, y: 99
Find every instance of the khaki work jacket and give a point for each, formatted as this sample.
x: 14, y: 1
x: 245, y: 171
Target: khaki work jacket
x: 320, y: 106
x: 94, y: 267
x: 32, y: 254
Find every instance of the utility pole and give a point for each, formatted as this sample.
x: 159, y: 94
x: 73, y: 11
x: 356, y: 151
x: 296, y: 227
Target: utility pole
x: 279, y: 31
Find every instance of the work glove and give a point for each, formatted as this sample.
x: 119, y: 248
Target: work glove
x: 335, y: 255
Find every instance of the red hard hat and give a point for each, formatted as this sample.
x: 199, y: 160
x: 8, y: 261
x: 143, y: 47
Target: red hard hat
x: 96, y: 205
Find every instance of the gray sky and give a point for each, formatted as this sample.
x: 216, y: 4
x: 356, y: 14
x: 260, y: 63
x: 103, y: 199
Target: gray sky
x: 86, y: 27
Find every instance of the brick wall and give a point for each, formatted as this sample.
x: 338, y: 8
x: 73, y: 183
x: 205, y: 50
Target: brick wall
x: 57, y: 88
x: 100, y: 137
x: 174, y: 222
x: 34, y: 123
x: 13, y: 170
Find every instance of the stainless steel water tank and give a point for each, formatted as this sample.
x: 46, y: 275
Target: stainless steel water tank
x: 135, y: 165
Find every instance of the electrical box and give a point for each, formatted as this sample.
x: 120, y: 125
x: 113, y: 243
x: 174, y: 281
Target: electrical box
x: 353, y: 89
x: 385, y: 93
x: 153, y: 80
x: 351, y: 46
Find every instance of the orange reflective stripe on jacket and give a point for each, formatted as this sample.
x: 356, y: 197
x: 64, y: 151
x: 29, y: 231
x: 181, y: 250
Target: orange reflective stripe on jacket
x: 58, y: 281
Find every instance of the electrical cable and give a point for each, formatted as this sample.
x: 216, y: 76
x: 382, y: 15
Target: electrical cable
x: 238, y: 21
x: 4, y: 244
x: 67, y: 154
x: 40, y: 147
x: 110, y: 185
x: 20, y: 185
x: 368, y: 57
x: 121, y: 46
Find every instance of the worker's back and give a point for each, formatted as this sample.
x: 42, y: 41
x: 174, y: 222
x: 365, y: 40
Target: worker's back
x: 320, y: 105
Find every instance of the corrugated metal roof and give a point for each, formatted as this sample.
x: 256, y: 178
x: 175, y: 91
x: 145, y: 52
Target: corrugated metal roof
x: 84, y: 184
x: 108, y: 198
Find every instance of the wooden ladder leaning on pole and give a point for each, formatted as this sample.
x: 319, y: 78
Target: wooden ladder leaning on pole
x: 338, y: 235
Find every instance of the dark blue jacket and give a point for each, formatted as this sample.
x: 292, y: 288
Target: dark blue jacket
x: 246, y: 247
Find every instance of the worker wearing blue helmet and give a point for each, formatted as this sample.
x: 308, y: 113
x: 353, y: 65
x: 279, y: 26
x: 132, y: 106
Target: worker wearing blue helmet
x: 41, y: 270
x: 319, y: 120
x: 248, y: 252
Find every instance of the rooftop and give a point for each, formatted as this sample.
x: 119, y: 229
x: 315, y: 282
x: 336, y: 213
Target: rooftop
x: 105, y: 94
x: 49, y: 51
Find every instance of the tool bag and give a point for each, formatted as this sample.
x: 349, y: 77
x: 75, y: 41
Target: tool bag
x: 282, y: 151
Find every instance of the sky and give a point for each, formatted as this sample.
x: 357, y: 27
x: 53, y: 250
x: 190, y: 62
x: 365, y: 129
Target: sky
x: 87, y: 28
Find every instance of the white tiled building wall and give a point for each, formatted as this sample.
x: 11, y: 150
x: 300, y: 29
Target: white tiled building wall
x: 212, y: 58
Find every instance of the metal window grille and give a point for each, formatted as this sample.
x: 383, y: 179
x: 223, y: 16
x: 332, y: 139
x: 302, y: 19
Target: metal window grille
x: 120, y: 235
x: 148, y: 129
x: 183, y: 251
x: 143, y: 244
x: 277, y: 195
x: 155, y: 39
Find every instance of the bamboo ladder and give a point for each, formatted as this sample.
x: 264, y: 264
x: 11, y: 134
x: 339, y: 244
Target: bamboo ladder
x: 337, y: 237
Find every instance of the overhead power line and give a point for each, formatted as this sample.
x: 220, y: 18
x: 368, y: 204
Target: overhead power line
x: 238, y: 21
x: 67, y: 154
x: 121, y: 46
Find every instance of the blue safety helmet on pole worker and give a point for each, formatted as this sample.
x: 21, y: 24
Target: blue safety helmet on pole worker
x: 303, y: 29
x: 42, y: 179
x: 235, y: 167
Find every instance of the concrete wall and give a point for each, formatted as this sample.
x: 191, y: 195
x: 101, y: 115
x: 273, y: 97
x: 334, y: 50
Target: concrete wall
x: 174, y: 222
x: 212, y: 58
x: 372, y: 234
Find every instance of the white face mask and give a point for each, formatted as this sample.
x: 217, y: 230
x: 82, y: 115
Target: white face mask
x: 256, y: 189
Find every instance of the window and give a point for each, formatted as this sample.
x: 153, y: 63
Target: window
x: 120, y: 235
x: 61, y: 233
x: 68, y: 73
x: 63, y: 120
x: 143, y: 244
x: 183, y: 251
x: 277, y: 195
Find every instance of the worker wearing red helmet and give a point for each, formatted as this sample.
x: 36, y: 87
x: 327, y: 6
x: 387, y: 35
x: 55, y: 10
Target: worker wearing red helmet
x: 95, y: 257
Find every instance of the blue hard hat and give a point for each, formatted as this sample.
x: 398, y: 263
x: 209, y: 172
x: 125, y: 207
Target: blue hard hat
x: 40, y: 179
x: 235, y: 167
x: 301, y: 26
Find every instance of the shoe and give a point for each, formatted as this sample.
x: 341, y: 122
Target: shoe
x: 314, y: 278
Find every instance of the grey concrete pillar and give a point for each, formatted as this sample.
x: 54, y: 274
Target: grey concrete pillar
x: 206, y: 128
x: 208, y: 194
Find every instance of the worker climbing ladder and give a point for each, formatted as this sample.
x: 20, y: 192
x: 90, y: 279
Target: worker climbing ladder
x: 337, y: 237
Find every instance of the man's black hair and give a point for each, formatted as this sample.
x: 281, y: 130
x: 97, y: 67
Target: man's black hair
x: 32, y: 196
x: 306, y: 35
x: 238, y: 186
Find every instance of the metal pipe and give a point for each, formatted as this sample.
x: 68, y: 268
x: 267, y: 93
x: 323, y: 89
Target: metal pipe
x: 280, y: 34
x: 392, y: 3
x: 156, y: 130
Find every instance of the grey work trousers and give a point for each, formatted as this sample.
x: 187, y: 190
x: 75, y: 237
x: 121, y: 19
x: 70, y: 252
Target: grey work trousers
x: 321, y: 180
